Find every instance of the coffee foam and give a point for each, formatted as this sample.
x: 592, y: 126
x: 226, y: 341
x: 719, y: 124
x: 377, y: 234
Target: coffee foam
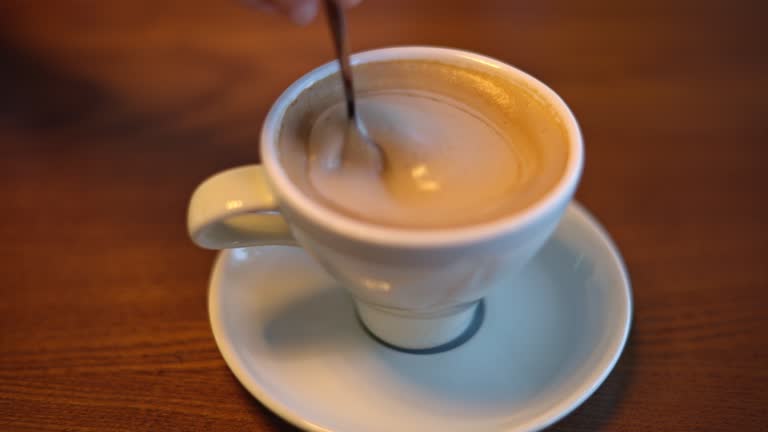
x: 464, y: 146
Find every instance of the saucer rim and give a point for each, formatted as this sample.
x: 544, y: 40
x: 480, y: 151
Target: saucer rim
x: 541, y: 421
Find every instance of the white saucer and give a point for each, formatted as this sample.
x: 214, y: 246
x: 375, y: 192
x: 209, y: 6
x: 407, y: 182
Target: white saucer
x: 550, y: 337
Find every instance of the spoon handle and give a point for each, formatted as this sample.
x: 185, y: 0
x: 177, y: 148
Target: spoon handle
x: 338, y: 26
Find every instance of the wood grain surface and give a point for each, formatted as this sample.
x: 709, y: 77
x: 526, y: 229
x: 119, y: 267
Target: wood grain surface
x: 111, y: 112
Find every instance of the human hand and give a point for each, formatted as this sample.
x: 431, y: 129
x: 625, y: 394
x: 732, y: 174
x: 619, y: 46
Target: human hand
x: 299, y: 11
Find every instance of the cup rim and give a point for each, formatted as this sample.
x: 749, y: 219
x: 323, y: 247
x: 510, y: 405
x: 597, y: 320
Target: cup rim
x: 290, y: 195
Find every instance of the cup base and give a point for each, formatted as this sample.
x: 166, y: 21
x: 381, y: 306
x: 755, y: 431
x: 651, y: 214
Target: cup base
x: 420, y: 335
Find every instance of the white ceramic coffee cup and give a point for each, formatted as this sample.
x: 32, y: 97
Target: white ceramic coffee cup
x: 414, y: 289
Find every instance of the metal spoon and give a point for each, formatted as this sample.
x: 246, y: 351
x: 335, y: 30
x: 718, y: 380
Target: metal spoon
x: 364, y: 148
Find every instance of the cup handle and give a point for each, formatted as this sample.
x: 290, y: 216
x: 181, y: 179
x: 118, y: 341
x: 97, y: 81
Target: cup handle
x: 236, y: 208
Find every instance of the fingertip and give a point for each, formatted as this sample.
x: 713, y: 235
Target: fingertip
x: 304, y: 12
x: 349, y: 3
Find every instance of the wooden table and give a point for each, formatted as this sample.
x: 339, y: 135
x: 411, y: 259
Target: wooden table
x: 111, y: 112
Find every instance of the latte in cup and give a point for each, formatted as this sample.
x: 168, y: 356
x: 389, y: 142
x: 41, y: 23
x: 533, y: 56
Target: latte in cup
x: 462, y: 146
